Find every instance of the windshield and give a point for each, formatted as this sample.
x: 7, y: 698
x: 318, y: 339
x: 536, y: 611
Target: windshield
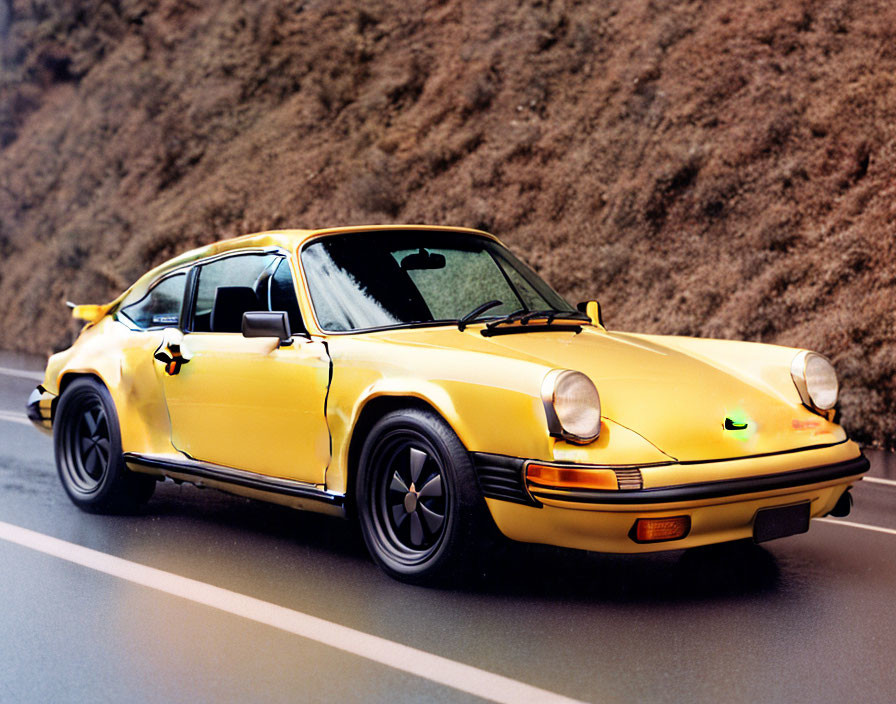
x: 390, y: 279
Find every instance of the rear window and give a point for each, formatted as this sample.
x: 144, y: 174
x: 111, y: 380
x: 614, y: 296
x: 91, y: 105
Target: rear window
x: 159, y: 307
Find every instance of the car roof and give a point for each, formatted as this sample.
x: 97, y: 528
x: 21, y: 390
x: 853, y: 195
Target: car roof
x: 290, y: 240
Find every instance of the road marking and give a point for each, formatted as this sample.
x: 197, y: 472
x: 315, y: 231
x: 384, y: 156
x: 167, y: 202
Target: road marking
x: 865, y: 526
x: 878, y: 480
x: 419, y: 663
x: 14, y: 417
x: 22, y: 373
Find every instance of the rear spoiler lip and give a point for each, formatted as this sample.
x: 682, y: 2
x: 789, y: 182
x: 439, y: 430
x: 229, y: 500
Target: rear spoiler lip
x: 88, y: 312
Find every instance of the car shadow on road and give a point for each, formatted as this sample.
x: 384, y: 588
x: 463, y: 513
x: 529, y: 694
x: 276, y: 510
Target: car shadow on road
x: 728, y: 570
x: 505, y: 569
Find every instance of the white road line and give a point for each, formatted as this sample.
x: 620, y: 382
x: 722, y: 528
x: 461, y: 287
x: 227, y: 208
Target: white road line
x: 419, y: 663
x: 878, y: 480
x: 22, y: 373
x: 14, y: 417
x: 864, y: 526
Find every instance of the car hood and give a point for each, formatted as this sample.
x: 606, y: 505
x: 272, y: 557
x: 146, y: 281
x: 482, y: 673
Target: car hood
x: 676, y: 400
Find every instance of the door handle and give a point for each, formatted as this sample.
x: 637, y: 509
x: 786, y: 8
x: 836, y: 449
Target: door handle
x: 172, y: 352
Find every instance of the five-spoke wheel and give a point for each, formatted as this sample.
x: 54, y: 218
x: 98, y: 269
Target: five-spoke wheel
x: 412, y: 495
x: 418, y: 501
x: 91, y: 447
x: 88, y: 452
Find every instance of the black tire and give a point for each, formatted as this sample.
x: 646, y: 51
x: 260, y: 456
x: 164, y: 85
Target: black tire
x: 419, y: 505
x: 87, y: 442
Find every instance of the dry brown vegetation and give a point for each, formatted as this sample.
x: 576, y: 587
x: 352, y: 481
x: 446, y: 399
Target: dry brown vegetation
x: 704, y: 168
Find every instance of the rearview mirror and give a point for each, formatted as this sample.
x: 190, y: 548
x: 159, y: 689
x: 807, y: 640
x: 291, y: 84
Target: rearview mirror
x: 267, y: 324
x: 423, y: 260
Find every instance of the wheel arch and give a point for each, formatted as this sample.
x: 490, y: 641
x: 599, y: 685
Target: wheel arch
x: 144, y: 425
x: 371, y: 412
x: 69, y: 376
x: 97, y: 480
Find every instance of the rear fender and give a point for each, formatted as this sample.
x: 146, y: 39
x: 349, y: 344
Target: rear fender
x: 123, y: 361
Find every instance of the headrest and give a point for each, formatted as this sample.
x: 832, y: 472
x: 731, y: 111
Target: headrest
x: 230, y: 304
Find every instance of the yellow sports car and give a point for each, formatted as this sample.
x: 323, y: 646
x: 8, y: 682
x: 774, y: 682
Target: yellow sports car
x: 425, y: 381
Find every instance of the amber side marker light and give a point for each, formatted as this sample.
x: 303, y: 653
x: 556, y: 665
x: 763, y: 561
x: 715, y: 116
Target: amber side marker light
x: 658, y: 530
x: 594, y: 478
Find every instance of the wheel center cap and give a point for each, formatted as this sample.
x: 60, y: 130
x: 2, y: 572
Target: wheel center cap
x: 410, y: 501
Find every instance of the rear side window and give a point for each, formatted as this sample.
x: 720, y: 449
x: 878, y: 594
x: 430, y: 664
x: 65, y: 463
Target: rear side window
x: 160, y: 307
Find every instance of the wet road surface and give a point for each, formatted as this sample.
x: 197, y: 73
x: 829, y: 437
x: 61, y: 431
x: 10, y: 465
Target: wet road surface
x: 807, y: 618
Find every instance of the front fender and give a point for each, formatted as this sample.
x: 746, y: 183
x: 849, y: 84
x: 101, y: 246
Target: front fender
x: 492, y: 404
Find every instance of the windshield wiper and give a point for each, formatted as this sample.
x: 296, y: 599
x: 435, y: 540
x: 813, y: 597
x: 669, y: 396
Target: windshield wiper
x: 476, y: 312
x: 526, y: 316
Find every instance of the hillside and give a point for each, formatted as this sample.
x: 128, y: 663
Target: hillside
x: 716, y: 168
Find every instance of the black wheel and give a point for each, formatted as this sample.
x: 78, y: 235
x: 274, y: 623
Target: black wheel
x: 418, y: 502
x: 89, y: 460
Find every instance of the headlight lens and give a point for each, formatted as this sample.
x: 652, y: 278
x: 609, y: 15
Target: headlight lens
x: 815, y: 380
x: 572, y: 405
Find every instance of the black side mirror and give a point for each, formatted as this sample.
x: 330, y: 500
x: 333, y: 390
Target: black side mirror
x: 267, y: 324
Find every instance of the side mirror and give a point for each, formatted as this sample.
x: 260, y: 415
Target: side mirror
x: 267, y: 324
x: 592, y: 310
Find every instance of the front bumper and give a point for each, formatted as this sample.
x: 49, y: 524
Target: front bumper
x: 687, y: 493
x: 720, y: 509
x: 39, y: 409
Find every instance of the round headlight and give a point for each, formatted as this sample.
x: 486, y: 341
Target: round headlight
x: 572, y: 405
x: 815, y: 380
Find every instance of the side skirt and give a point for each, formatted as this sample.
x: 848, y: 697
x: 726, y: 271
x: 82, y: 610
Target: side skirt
x: 283, y: 491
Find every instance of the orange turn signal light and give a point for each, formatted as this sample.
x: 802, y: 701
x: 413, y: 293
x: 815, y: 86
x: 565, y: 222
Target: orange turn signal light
x: 594, y: 478
x: 657, y: 530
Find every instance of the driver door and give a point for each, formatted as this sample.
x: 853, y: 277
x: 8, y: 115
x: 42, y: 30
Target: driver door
x: 237, y: 402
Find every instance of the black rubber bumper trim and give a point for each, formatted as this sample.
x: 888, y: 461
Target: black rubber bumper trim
x: 250, y: 480
x: 713, y: 490
x: 32, y: 409
x: 501, y: 477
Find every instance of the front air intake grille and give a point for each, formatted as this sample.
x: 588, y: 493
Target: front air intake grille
x: 629, y: 478
x: 501, y: 477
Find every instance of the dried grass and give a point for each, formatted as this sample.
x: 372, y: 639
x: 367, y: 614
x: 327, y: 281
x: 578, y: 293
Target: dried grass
x: 716, y: 169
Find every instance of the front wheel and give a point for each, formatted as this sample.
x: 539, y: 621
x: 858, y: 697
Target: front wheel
x: 420, y: 509
x: 87, y: 443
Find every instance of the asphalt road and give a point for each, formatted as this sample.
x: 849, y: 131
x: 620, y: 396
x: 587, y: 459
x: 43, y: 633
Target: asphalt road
x: 803, y: 619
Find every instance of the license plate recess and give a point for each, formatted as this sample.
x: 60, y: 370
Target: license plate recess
x: 780, y: 521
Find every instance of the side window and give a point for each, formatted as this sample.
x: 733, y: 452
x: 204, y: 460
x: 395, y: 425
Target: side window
x: 228, y: 288
x: 283, y: 296
x: 160, y: 307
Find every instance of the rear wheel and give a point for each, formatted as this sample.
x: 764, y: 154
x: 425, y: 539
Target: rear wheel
x: 419, y: 505
x: 89, y: 460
